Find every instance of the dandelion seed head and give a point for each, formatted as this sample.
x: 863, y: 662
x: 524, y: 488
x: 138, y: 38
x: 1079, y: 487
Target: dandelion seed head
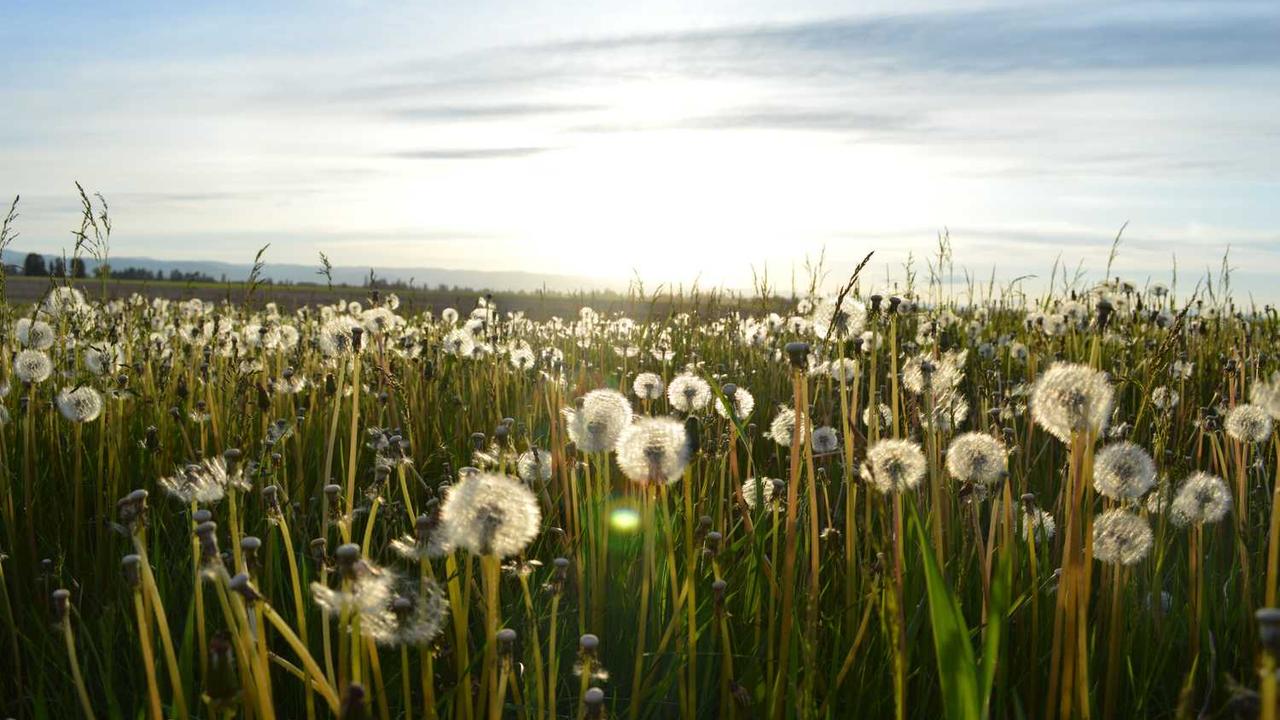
x: 653, y: 450
x: 825, y: 440
x: 34, y: 334
x: 838, y: 318
x: 743, y: 403
x: 489, y: 514
x: 32, y: 366
x: 782, y: 429
x: 1121, y: 538
x: 1266, y: 395
x: 1248, y: 423
x: 81, y: 405
x: 1038, y: 524
x: 688, y: 393
x: 596, y: 425
x: 766, y: 491
x: 1203, y: 498
x: 1071, y: 398
x: 648, y: 386
x: 977, y: 458
x: 1123, y: 470
x: 894, y: 466
x: 534, y: 466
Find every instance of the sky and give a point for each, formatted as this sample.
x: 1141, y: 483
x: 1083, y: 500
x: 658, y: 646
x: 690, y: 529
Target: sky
x: 668, y: 140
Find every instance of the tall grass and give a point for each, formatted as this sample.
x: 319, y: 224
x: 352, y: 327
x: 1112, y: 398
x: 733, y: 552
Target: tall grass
x: 334, y: 434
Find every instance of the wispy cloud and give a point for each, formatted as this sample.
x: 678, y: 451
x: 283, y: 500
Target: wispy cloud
x: 500, y: 111
x: 493, y: 153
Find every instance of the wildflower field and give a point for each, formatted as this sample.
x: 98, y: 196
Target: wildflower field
x: 883, y: 502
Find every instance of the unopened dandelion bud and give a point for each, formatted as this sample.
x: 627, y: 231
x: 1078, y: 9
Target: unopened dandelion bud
x: 206, y: 533
x: 422, y: 528
x: 330, y: 385
x: 201, y: 515
x: 240, y: 584
x: 875, y: 302
x: 357, y: 334
x: 588, y: 645
x: 131, y: 566
x: 347, y: 556
x: 61, y: 604
x: 798, y: 354
x: 249, y: 547
x: 593, y: 699
x: 894, y: 302
x: 352, y: 707
x: 506, y: 643
x: 132, y: 508
x: 711, y: 546
x: 271, y: 498
x: 152, y: 440
x: 500, y: 433
x: 331, y: 494
x: 741, y: 696
x: 1269, y: 629
x: 319, y: 550
x: 717, y: 591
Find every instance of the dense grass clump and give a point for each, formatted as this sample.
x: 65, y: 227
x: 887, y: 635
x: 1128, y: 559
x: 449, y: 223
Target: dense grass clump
x: 864, y: 505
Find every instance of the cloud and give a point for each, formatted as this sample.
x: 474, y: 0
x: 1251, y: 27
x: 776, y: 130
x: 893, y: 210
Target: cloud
x: 490, y: 153
x: 1062, y: 37
x: 505, y: 111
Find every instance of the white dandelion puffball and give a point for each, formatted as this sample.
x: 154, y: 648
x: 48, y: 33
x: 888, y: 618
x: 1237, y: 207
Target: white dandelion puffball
x: 1164, y: 398
x: 783, y: 428
x: 1071, y: 398
x: 1266, y: 395
x: 489, y: 514
x: 534, y: 466
x: 648, y: 386
x: 825, y: 440
x: 653, y: 450
x: 769, y: 491
x: 337, y: 336
x: 1123, y: 470
x: 846, y: 320
x: 1248, y: 423
x: 894, y: 466
x: 845, y: 369
x: 1203, y: 498
x: 34, y: 334
x: 459, y: 343
x: 1038, y: 525
x: 688, y: 393
x: 104, y: 359
x: 32, y: 366
x: 977, y: 458
x: 596, y: 425
x: 82, y: 404
x: 1121, y: 538
x: 743, y: 403
x: 923, y: 373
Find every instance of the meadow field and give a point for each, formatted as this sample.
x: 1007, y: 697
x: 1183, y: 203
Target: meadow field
x: 910, y: 500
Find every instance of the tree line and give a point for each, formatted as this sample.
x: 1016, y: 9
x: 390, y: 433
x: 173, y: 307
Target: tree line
x: 35, y: 265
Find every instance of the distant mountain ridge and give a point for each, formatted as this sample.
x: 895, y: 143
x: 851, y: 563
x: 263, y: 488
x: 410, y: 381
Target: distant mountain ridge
x: 423, y: 277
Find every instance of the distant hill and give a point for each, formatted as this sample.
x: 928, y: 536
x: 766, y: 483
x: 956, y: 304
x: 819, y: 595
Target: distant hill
x: 422, y: 277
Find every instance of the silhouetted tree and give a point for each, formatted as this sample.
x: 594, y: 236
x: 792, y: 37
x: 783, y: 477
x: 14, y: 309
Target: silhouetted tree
x: 78, y: 268
x: 59, y: 267
x: 34, y: 265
